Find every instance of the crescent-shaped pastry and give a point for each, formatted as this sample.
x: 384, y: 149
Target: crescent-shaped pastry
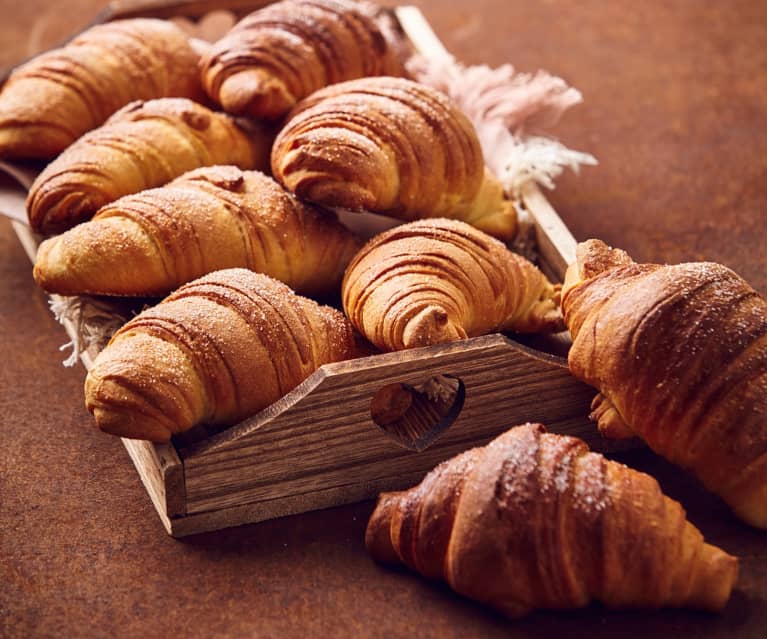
x: 679, y: 355
x: 280, y: 54
x: 142, y: 146
x: 50, y: 101
x: 216, y: 351
x: 390, y: 146
x: 217, y: 217
x: 435, y: 281
x: 534, y: 520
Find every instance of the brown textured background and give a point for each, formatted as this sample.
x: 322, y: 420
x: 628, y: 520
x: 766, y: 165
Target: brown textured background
x: 676, y: 111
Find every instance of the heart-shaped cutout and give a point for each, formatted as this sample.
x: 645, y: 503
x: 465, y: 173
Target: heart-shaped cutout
x: 414, y: 416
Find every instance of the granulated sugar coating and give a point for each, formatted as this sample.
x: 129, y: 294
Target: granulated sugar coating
x: 218, y: 350
x: 142, y: 146
x: 534, y: 520
x: 434, y: 281
x: 390, y: 146
x: 679, y: 352
x: 289, y: 49
x: 152, y: 242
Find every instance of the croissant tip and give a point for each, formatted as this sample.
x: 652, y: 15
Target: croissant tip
x: 713, y: 583
x: 595, y: 256
x: 125, y: 425
x: 255, y: 93
x: 430, y: 326
x: 377, y: 534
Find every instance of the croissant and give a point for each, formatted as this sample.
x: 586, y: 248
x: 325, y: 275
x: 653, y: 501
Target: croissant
x: 212, y: 218
x: 282, y: 53
x: 52, y: 100
x: 534, y: 520
x: 144, y: 145
x: 390, y: 146
x: 679, y: 355
x: 216, y: 351
x: 436, y: 281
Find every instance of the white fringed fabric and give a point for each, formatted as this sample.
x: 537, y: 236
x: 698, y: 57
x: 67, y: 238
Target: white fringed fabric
x: 506, y: 109
x: 93, y: 323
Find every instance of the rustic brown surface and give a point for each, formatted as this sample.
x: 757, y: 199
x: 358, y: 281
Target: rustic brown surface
x: 676, y: 112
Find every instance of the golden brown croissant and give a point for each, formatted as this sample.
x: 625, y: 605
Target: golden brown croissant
x: 212, y: 218
x: 435, y: 281
x: 390, y: 146
x: 216, y: 351
x: 534, y: 520
x: 679, y: 355
x: 52, y: 100
x: 144, y: 145
x: 282, y: 53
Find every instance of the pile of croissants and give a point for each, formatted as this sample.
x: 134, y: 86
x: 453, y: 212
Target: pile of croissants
x: 211, y: 175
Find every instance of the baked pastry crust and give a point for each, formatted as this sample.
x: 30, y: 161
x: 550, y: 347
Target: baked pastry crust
x: 390, y: 146
x: 679, y: 355
x: 280, y: 54
x: 216, y: 351
x: 218, y: 217
x: 534, y: 520
x: 142, y: 146
x: 52, y: 100
x: 435, y: 281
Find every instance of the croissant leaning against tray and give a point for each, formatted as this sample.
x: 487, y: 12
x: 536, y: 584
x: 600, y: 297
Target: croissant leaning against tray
x: 217, y: 217
x: 144, y: 145
x: 534, y: 520
x: 679, y: 355
x: 287, y: 50
x: 50, y: 101
x: 216, y: 351
x: 435, y: 281
x: 394, y: 147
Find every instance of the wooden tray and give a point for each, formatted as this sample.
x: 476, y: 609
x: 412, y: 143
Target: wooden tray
x: 318, y: 446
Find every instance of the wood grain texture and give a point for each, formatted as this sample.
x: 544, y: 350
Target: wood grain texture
x: 331, y: 448
x: 672, y: 110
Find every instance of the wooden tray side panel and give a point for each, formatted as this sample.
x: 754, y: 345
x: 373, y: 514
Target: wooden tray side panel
x: 329, y: 448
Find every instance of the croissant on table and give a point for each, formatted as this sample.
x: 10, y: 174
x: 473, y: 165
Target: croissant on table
x: 390, y: 146
x: 285, y: 51
x: 216, y: 351
x: 144, y: 145
x: 212, y: 218
x: 534, y: 520
x: 435, y: 281
x: 679, y: 355
x: 49, y: 102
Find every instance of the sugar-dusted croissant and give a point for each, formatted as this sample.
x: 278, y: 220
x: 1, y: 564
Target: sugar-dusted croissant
x: 390, y: 146
x: 216, y: 351
x: 434, y: 281
x: 282, y: 53
x: 212, y: 218
x: 56, y: 97
x: 142, y: 146
x: 679, y: 355
x: 534, y: 520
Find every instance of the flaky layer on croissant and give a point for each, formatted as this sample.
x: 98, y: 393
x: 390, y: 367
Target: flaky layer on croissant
x: 52, y: 100
x: 534, y: 520
x: 435, y: 281
x: 144, y: 145
x: 390, y: 146
x: 282, y: 53
x: 679, y: 355
x: 216, y: 351
x: 209, y: 219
